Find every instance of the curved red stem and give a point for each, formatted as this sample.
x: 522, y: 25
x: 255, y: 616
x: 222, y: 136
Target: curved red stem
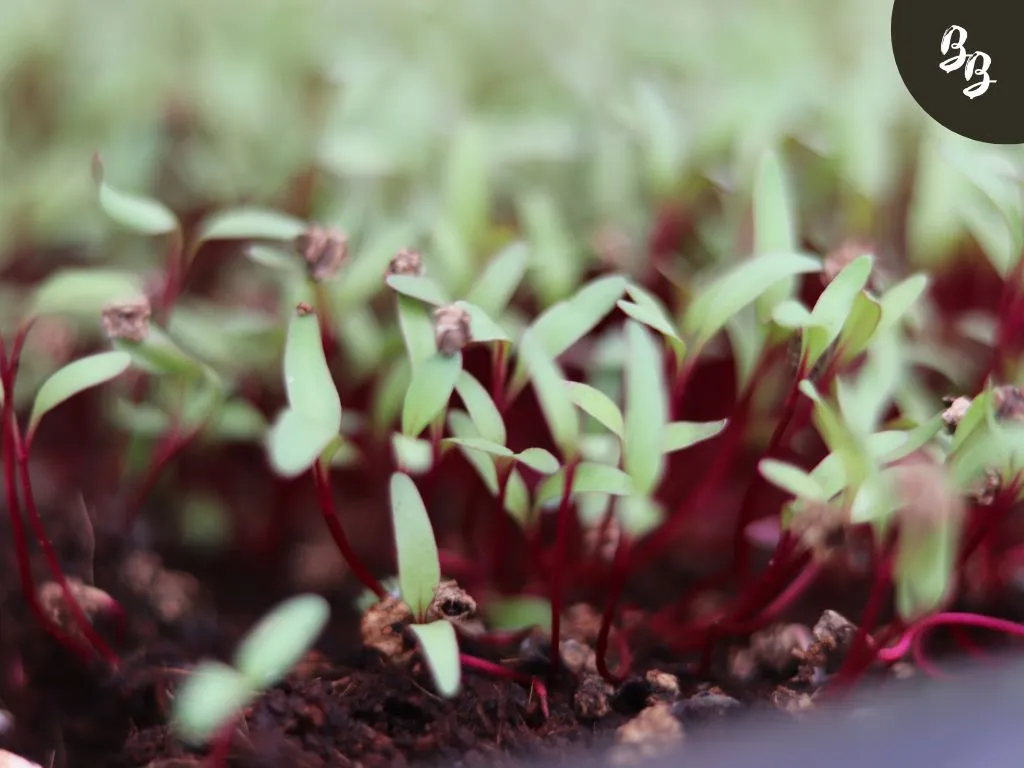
x: 558, y: 566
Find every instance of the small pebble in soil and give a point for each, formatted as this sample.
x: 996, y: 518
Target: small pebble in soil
x: 577, y: 657
x: 173, y: 596
x: 706, y: 707
x: 663, y: 687
x: 653, y: 732
x: 792, y: 702
x: 93, y: 602
x: 833, y: 636
x: 777, y: 649
x: 451, y: 602
x: 591, y: 700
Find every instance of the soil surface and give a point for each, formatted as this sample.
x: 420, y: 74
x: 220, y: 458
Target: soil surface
x: 345, y: 705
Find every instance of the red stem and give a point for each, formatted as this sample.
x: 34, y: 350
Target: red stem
x: 780, y: 604
x: 861, y: 656
x: 496, y: 670
x: 499, y: 372
x: 79, y: 617
x: 325, y: 499
x: 899, y: 650
x: 8, y: 374
x: 499, y: 531
x: 220, y: 748
x: 617, y: 582
x: 557, y: 569
x: 172, y: 444
x: 740, y: 545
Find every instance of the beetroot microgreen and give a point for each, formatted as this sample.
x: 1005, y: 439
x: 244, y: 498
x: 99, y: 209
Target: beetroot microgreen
x: 500, y: 278
x: 646, y: 410
x: 429, y: 391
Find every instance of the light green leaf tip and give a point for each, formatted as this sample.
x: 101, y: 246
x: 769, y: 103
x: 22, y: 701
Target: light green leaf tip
x: 250, y: 224
x: 597, y: 405
x: 206, y: 702
x: 73, y: 378
x: 440, y: 647
x: 549, y: 385
x: 646, y: 409
x: 429, y: 391
x: 792, y: 480
x: 141, y: 214
x: 276, y: 644
x: 419, y: 570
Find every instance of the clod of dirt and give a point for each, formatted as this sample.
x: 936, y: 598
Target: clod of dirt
x: 128, y: 320
x: 11, y: 760
x: 833, y: 636
x: 577, y: 657
x: 821, y: 527
x: 653, y: 732
x: 407, y: 262
x: 792, y: 702
x: 663, y: 686
x: 324, y: 250
x: 590, y: 701
x: 173, y: 596
x: 581, y: 623
x: 705, y: 707
x: 777, y: 650
x: 176, y: 762
x: 383, y: 627
x: 93, y: 602
x: 1009, y: 402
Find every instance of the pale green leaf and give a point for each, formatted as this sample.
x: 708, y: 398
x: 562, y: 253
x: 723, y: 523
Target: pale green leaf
x: 419, y: 571
x: 482, y: 328
x: 598, y: 405
x: 549, y: 386
x: 833, y: 308
x: 538, y: 460
x: 646, y: 410
x: 638, y: 515
x: 679, y: 435
x: 276, y: 259
x: 275, y: 645
x: 480, y: 444
x: 589, y: 478
x: 775, y: 229
x: 738, y: 288
x: 141, y: 214
x: 923, y: 571
x: 792, y: 480
x: 429, y: 391
x: 791, y: 314
x: 440, y: 648
x: 249, y: 224
x: 861, y: 326
x: 494, y: 289
x: 85, y: 292
x: 412, y: 455
x: 211, y: 696
x: 417, y: 327
x: 73, y: 378
x: 307, y: 379
x: 898, y: 300
x: 418, y: 287
x: 481, y: 407
x: 296, y: 440
x: 509, y: 614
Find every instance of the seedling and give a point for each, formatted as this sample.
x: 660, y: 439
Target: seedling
x: 215, y: 693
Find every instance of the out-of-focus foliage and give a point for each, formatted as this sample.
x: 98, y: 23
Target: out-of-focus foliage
x: 411, y: 106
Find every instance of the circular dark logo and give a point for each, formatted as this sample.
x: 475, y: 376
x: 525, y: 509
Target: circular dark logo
x: 963, y: 62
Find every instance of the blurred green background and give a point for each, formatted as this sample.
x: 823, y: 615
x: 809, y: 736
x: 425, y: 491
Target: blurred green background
x: 581, y: 114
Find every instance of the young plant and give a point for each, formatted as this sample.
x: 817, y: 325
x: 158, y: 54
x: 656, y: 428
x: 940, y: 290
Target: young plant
x: 307, y: 433
x: 67, y: 382
x: 213, y: 696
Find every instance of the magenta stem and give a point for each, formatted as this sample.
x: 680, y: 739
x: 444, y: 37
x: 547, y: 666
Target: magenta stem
x: 617, y: 581
x: 496, y: 670
x: 325, y: 499
x: 903, y: 645
x: 558, y: 564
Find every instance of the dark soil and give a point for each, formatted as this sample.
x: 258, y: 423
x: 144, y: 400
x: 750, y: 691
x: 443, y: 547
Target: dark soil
x: 344, y: 706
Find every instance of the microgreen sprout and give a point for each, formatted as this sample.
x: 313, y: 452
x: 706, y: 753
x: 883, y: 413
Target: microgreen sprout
x: 215, y: 693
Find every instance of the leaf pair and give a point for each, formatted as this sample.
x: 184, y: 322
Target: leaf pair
x: 215, y: 692
x: 419, y: 575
